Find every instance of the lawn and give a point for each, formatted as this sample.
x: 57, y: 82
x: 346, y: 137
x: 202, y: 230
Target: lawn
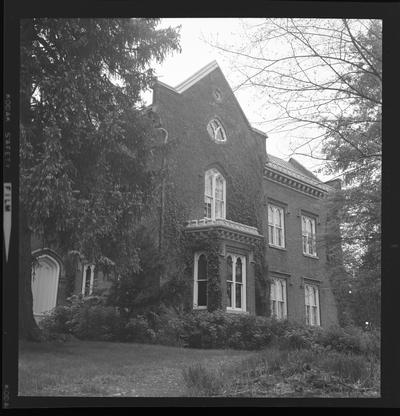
x: 84, y: 368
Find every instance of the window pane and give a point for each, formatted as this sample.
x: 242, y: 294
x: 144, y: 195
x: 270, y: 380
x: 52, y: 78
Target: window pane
x: 271, y: 234
x: 202, y: 293
x: 273, y: 290
x: 270, y: 215
x: 229, y: 268
x: 202, y: 268
x: 238, y: 295
x: 208, y: 184
x: 229, y: 294
x: 279, y: 217
x: 87, y: 281
x: 278, y: 237
x: 238, y: 270
x: 315, y: 320
x: 280, y: 310
x: 219, y: 209
x: 273, y: 308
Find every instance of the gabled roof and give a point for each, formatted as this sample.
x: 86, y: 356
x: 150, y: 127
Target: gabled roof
x: 196, y: 77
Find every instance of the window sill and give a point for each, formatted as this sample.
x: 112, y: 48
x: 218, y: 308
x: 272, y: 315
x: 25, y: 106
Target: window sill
x: 311, y: 256
x: 199, y: 308
x: 229, y: 310
x: 277, y: 247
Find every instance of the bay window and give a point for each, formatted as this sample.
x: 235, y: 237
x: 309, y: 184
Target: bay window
x: 236, y: 282
x: 200, y: 281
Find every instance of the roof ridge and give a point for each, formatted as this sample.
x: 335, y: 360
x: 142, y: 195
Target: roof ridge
x: 197, y: 76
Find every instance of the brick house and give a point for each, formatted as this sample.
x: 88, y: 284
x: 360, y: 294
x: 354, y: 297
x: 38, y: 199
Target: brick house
x: 266, y: 216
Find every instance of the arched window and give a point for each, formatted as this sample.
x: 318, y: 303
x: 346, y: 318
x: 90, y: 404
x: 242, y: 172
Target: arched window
x: 200, y: 281
x: 88, y: 280
x: 309, y: 235
x: 278, y: 298
x: 312, y: 305
x: 276, y: 226
x: 236, y: 282
x: 214, y: 195
x: 216, y: 130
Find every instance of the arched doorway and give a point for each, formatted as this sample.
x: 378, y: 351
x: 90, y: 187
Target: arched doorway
x: 45, y: 276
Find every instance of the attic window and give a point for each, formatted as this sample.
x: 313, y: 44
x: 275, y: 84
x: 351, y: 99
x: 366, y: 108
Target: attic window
x: 216, y: 131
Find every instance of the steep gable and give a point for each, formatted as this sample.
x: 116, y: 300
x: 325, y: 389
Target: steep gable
x: 212, y: 72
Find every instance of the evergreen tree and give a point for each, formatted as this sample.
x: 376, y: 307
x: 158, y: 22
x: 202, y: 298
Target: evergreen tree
x: 84, y: 144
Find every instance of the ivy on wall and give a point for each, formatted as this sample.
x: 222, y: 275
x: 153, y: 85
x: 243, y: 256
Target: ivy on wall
x: 209, y: 244
x: 262, y: 283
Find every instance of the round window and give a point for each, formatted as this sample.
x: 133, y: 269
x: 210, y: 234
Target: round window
x: 218, y: 95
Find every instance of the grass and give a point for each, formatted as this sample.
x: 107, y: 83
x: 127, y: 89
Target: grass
x: 283, y: 373
x: 84, y: 368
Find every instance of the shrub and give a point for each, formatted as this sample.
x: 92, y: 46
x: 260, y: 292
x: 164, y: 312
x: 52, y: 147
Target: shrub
x: 57, y: 321
x: 350, y: 339
x: 138, y: 330
x: 85, y: 318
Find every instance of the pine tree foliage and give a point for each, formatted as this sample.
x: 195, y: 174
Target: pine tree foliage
x: 85, y: 144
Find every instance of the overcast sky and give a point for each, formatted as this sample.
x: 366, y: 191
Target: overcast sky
x: 197, y: 52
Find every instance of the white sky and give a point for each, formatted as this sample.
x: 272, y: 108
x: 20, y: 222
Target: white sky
x: 196, y: 53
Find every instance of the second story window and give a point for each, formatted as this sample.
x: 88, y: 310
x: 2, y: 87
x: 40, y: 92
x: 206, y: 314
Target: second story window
x: 308, y: 235
x: 214, y: 195
x: 276, y: 226
x: 216, y: 130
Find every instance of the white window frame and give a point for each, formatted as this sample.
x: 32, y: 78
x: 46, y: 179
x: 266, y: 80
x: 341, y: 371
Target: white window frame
x: 279, y: 313
x: 195, y: 283
x: 85, y: 267
x: 312, y: 309
x: 234, y: 283
x: 309, y: 235
x: 211, y: 198
x: 215, y: 129
x: 274, y: 228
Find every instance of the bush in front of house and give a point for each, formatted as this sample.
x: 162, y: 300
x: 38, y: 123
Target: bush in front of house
x: 92, y: 319
x: 350, y: 340
x: 86, y: 318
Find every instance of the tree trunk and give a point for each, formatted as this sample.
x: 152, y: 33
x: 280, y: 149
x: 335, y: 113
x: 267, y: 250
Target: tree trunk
x: 28, y: 328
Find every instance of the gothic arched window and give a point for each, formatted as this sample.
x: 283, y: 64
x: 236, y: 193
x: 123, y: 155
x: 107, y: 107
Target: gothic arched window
x: 216, y: 130
x: 214, y: 195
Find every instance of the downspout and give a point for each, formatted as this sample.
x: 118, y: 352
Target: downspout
x: 162, y: 196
